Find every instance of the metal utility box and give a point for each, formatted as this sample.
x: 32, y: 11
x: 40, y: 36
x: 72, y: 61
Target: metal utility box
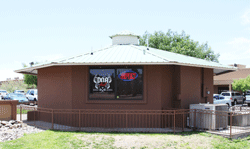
x: 209, y: 116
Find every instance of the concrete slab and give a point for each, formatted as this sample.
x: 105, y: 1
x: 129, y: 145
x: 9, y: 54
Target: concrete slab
x: 47, y: 125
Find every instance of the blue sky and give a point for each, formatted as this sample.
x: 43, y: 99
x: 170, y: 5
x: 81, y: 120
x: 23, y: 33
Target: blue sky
x: 47, y: 30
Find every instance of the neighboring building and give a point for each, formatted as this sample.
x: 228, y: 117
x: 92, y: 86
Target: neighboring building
x: 223, y: 82
x: 125, y: 76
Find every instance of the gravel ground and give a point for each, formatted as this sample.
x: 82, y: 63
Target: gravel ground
x: 7, y: 134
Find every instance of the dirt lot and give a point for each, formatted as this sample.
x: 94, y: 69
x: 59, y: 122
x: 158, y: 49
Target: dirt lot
x: 148, y: 141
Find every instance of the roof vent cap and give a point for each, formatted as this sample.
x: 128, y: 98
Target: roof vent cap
x: 125, y: 38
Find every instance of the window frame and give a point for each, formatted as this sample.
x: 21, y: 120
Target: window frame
x: 115, y: 83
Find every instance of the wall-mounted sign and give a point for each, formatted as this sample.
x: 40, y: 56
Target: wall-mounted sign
x: 128, y: 75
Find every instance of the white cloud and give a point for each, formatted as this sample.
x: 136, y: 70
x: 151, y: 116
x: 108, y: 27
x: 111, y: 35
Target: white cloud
x: 237, y: 51
x: 48, y: 57
x: 240, y: 40
x: 246, y: 17
x: 9, y: 73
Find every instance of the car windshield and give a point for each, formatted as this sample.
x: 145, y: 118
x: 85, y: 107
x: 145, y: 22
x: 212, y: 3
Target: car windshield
x: 18, y: 95
x: 20, y: 91
x: 3, y: 92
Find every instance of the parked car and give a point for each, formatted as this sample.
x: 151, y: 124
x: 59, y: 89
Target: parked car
x: 247, y: 98
x: 235, y: 97
x: 32, y: 95
x: 15, y: 96
x: 215, y: 96
x: 220, y: 99
x: 19, y: 92
x: 3, y: 93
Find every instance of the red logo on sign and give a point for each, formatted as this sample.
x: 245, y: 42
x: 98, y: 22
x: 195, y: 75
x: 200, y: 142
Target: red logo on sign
x: 128, y: 76
x: 102, y: 84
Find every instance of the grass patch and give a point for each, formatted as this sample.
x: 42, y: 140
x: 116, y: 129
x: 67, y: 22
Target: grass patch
x: 59, y: 139
x: 23, y: 111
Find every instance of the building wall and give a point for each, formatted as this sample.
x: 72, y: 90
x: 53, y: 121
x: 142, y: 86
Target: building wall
x: 215, y: 89
x: 164, y: 87
x: 152, y: 85
x: 55, y: 87
x: 190, y: 89
x: 176, y: 85
x: 167, y: 98
x: 125, y: 40
x: 208, y: 85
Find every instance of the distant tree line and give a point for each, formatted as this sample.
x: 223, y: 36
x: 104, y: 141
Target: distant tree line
x: 241, y: 84
x: 179, y: 43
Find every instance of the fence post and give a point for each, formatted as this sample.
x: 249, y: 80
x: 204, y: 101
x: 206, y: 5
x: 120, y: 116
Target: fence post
x: 231, y: 121
x: 52, y: 119
x: 183, y: 122
x: 34, y: 118
x: 174, y: 121
x: 21, y: 113
x: 194, y: 119
x: 79, y: 119
x: 126, y: 119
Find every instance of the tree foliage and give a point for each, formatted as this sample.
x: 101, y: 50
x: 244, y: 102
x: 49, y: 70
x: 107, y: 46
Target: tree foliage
x: 241, y: 84
x: 30, y: 80
x: 12, y: 85
x: 179, y: 43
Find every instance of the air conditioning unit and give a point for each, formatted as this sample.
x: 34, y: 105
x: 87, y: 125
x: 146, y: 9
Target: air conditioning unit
x: 208, y: 116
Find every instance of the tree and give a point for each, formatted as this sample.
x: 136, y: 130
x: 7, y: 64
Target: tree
x: 30, y: 80
x: 12, y: 85
x: 179, y: 43
x: 241, y: 84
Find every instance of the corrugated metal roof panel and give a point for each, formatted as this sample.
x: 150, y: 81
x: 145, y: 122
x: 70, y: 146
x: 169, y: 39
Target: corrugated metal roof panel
x: 116, y: 53
x: 128, y: 54
x: 179, y: 58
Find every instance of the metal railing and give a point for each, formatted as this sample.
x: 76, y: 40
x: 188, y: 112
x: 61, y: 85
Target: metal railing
x: 232, y: 124
x: 117, y: 120
x: 20, y: 108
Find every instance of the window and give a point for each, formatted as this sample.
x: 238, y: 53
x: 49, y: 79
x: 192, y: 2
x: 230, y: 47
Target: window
x: 129, y: 83
x: 237, y: 94
x: 222, y: 97
x: 32, y: 92
x: 226, y: 94
x: 116, y: 83
x: 102, y: 84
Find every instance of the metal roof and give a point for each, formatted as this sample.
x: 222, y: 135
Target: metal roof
x: 125, y: 33
x: 130, y: 55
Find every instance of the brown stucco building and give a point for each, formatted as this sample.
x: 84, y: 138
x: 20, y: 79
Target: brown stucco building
x: 223, y: 82
x: 164, y: 87
x: 125, y: 76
